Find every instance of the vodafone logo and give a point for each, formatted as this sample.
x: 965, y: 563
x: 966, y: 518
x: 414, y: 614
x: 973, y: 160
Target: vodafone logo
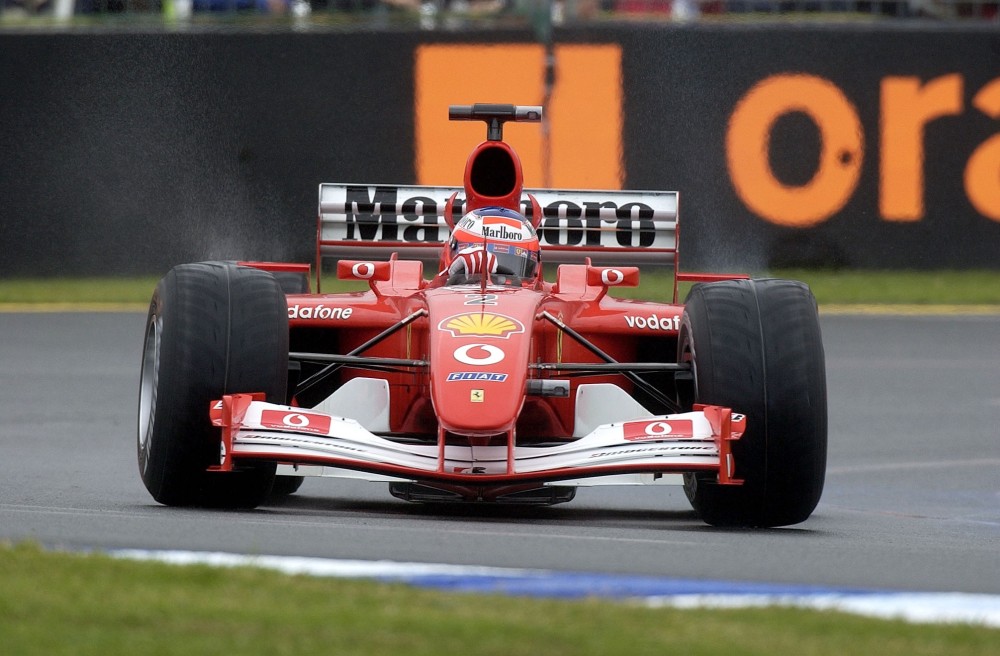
x: 661, y: 429
x: 321, y: 311
x: 363, y: 270
x: 479, y: 355
x: 654, y: 322
x: 302, y: 422
x: 295, y: 421
x: 612, y: 277
x: 658, y: 429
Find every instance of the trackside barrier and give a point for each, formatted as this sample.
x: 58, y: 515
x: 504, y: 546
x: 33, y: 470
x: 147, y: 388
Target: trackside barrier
x: 836, y: 145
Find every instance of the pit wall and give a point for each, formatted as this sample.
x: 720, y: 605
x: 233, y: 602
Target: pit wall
x: 847, y: 146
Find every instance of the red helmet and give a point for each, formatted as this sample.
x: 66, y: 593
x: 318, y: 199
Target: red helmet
x: 493, y: 239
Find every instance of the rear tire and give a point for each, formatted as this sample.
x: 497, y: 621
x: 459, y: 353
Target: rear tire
x: 755, y: 346
x: 213, y: 328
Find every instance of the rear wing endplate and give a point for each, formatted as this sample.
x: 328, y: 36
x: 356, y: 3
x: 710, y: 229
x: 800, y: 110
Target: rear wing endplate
x: 609, y: 227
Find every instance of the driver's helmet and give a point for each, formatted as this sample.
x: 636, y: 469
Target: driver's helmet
x: 496, y: 240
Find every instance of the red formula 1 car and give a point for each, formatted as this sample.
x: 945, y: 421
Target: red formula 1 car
x: 482, y: 380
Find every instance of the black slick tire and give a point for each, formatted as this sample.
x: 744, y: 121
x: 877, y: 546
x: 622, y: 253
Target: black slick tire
x: 756, y: 347
x: 286, y: 485
x: 213, y: 328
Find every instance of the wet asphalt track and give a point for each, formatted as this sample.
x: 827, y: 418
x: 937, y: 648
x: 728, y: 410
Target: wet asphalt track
x: 912, y: 499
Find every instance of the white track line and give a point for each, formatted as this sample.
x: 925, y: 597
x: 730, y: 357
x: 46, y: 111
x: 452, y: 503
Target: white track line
x: 656, y: 592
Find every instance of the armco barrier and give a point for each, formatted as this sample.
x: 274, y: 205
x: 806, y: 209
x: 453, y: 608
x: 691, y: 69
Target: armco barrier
x: 845, y: 145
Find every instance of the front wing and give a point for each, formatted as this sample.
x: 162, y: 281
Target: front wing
x: 252, y: 429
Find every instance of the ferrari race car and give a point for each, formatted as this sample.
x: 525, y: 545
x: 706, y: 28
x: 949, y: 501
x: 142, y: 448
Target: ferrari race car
x: 484, y: 381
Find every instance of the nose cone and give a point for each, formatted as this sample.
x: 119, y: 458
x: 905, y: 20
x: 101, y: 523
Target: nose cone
x: 479, y: 350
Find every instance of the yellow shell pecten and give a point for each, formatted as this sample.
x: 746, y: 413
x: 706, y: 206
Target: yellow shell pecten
x: 483, y: 324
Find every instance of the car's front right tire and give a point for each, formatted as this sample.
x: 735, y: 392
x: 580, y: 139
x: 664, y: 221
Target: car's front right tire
x: 213, y: 328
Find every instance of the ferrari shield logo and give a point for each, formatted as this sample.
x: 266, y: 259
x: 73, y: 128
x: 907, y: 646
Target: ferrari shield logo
x: 477, y: 396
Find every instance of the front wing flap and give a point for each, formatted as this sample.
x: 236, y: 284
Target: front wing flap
x: 693, y: 441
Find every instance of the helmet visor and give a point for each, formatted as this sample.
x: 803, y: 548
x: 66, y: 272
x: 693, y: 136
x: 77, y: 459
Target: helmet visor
x: 511, y: 260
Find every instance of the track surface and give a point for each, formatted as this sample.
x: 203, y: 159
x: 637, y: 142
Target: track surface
x: 912, y: 499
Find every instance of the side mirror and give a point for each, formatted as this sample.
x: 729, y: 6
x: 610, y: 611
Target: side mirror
x: 357, y: 270
x: 612, y: 276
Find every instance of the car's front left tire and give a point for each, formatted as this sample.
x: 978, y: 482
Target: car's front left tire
x: 755, y: 346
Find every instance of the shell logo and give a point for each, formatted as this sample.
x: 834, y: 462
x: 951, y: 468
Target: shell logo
x: 481, y: 324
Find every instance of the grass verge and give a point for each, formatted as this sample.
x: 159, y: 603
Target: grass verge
x: 962, y: 288
x: 915, y: 288
x: 106, y: 290
x: 57, y: 603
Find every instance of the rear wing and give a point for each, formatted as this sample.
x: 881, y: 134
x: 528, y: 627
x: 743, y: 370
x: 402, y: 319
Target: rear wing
x: 609, y: 227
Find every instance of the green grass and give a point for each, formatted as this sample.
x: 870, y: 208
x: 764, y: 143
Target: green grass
x: 55, y: 603
x: 77, y: 290
x: 921, y: 288
x: 830, y: 287
x: 863, y: 287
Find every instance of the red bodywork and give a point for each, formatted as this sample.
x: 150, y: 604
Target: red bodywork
x: 480, y: 327
x: 461, y: 361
